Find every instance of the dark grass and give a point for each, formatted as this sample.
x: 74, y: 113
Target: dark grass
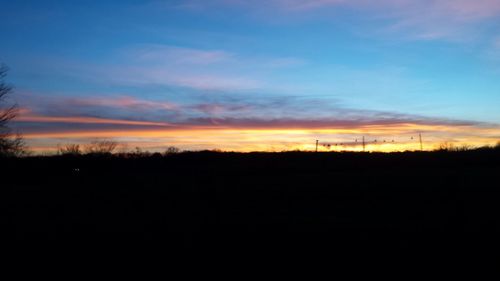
x: 446, y: 202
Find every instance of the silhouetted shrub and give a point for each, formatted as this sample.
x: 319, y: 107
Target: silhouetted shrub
x: 138, y: 152
x: 156, y: 155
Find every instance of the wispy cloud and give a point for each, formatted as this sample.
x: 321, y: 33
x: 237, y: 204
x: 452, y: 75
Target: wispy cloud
x: 442, y: 19
x: 416, y: 19
x: 496, y: 43
x: 203, y: 81
x: 302, y: 5
x: 165, y: 65
x: 460, y: 10
x: 165, y: 54
x: 124, y: 102
x: 495, y: 48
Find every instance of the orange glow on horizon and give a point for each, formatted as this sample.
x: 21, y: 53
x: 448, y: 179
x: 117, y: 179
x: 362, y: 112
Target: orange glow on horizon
x: 268, y: 139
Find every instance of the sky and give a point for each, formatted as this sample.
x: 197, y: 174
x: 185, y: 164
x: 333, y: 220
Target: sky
x: 240, y: 75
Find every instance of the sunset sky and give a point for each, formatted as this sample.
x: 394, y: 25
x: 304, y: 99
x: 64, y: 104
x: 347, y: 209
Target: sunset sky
x: 266, y: 75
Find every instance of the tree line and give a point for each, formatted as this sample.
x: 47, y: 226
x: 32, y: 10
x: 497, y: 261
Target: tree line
x: 107, y: 147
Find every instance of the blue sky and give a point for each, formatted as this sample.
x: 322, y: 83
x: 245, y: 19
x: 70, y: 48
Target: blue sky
x: 253, y: 64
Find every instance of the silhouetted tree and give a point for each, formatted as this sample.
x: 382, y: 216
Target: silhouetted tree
x: 446, y: 146
x: 138, y: 152
x: 172, y: 150
x: 10, y: 145
x: 69, y: 149
x: 465, y: 147
x: 101, y: 147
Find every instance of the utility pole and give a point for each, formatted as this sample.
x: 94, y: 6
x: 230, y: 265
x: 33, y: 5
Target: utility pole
x: 363, y: 143
x: 421, y: 145
x: 317, y: 141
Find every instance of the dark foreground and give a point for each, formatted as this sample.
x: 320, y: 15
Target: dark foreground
x: 443, y: 202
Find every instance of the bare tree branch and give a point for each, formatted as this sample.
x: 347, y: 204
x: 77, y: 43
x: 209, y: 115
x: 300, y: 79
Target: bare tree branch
x: 9, y: 145
x: 101, y: 147
x: 5, y: 88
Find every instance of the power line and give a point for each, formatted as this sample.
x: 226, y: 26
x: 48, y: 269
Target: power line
x: 370, y: 141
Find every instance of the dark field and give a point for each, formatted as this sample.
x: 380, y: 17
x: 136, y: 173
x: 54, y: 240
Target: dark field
x: 445, y: 201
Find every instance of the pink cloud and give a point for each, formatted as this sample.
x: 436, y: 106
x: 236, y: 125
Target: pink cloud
x: 85, y: 120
